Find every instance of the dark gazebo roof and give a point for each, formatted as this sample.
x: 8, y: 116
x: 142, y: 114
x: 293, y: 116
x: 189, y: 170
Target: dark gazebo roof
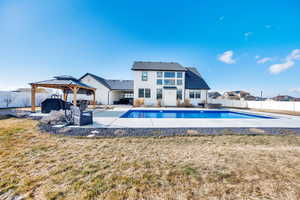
x: 65, y: 82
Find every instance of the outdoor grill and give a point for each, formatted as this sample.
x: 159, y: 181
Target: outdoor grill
x: 54, y: 104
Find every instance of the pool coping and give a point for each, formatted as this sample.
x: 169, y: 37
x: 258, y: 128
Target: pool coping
x: 163, y: 127
x: 278, y: 121
x: 254, y: 116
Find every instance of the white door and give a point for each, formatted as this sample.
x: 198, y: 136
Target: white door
x: 169, y: 97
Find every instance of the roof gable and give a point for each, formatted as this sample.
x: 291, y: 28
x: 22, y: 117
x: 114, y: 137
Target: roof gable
x: 112, y: 84
x: 157, y: 66
x: 194, y: 80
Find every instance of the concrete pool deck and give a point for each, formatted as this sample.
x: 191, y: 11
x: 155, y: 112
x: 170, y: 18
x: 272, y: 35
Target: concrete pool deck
x: 111, y: 119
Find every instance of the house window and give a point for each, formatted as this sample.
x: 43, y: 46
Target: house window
x: 169, y: 74
x: 159, y: 94
x: 179, y: 82
x: 144, y: 76
x: 159, y: 74
x: 159, y: 81
x: 192, y: 94
x: 169, y: 82
x: 179, y: 74
x: 144, y: 93
x: 195, y: 94
x: 179, y: 94
x: 127, y: 95
x: 141, y: 93
x: 198, y: 95
x: 147, y: 93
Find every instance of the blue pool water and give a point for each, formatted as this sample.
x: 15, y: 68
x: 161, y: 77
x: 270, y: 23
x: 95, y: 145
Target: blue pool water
x: 189, y: 114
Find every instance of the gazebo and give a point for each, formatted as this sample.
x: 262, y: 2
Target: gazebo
x: 68, y: 84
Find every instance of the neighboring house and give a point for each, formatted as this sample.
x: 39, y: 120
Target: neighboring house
x: 283, y: 98
x: 214, y: 95
x: 231, y: 96
x: 168, y: 82
x: 109, y: 91
x: 239, y: 95
x: 250, y: 98
x: 236, y: 95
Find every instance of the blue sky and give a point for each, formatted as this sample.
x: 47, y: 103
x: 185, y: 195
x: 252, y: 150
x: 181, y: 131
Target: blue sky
x: 250, y: 45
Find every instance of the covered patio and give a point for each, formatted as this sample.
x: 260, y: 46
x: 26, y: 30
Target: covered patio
x: 68, y: 85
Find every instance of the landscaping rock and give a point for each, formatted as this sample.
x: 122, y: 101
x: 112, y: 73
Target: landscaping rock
x: 55, y: 118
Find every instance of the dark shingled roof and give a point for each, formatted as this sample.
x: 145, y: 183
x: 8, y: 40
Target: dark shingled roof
x: 63, y: 80
x: 157, y: 66
x: 113, y: 84
x: 120, y: 84
x: 194, y: 80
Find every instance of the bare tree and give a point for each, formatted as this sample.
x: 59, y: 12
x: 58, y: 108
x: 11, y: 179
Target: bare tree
x: 8, y: 99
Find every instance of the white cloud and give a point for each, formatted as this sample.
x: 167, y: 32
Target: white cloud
x: 295, y: 55
x: 247, y: 35
x: 278, y: 68
x: 289, y: 62
x: 257, y: 57
x: 227, y: 57
x: 295, y: 90
x: 264, y: 60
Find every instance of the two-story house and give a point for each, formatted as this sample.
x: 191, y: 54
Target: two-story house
x: 169, y: 83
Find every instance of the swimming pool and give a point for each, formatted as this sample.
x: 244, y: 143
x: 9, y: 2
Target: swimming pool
x: 224, y: 114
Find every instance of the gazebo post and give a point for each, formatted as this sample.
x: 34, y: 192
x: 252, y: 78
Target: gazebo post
x: 65, y: 95
x: 33, y: 91
x: 75, y: 90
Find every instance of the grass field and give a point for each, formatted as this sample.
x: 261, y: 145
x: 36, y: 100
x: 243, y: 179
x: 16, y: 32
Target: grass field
x: 40, y: 166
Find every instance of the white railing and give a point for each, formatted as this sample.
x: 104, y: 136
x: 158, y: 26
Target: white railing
x: 268, y: 105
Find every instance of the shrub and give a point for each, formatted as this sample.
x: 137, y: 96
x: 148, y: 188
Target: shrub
x: 138, y: 102
x: 186, y: 103
x: 158, y: 104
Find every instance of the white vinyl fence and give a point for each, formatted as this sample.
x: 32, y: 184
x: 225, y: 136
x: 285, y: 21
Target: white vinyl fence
x: 20, y: 99
x: 268, y: 105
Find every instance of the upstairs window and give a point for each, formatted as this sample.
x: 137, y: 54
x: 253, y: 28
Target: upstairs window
x: 179, y: 82
x: 159, y: 74
x: 179, y: 75
x: 169, y: 82
x: 144, y: 76
x: 159, y: 81
x: 198, y: 95
x: 169, y: 74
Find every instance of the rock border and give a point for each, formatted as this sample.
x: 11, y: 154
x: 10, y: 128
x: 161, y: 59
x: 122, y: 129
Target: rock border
x: 163, y: 132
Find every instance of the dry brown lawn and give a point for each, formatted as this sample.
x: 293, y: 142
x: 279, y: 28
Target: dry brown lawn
x: 41, y: 166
